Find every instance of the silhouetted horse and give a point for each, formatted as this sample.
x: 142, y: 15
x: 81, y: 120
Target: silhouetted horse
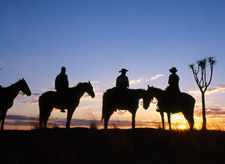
x: 174, y: 103
x: 69, y: 101
x: 128, y: 100
x: 8, y: 94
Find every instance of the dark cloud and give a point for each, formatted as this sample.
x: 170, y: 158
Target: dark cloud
x: 20, y: 120
x: 215, y: 111
x: 19, y: 117
x: 23, y: 120
x: 31, y: 102
x: 212, y: 112
x: 36, y: 94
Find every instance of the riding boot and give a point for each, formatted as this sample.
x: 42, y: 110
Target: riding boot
x: 63, y: 110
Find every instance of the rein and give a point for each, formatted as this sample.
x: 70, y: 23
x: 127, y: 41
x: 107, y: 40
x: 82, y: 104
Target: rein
x: 154, y: 102
x: 121, y: 111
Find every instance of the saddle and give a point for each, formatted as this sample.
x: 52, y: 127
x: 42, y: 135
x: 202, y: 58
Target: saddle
x: 120, y: 96
x: 62, y: 93
x: 169, y: 100
x: 62, y: 96
x: 119, y: 92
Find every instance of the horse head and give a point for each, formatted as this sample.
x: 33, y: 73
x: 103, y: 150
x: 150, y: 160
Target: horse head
x: 147, y: 98
x: 89, y: 89
x: 150, y: 90
x: 24, y: 87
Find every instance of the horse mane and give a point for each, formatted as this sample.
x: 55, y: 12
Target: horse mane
x: 78, y: 85
x: 138, y: 90
x: 158, y: 89
x: 12, y: 85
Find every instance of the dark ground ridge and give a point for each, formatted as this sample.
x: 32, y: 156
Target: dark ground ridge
x: 83, y: 145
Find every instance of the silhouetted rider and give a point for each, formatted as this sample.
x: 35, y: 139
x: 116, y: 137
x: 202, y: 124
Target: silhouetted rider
x: 173, y: 81
x: 62, y: 83
x: 122, y: 81
x: 122, y: 85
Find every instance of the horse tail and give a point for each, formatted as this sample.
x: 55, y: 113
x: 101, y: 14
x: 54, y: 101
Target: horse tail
x: 103, y: 110
x: 43, y: 102
x: 189, y: 109
x: 42, y: 108
x: 193, y: 104
x: 104, y: 103
x: 40, y: 101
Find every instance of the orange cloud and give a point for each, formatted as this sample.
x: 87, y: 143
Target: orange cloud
x: 31, y: 102
x: 136, y: 81
x: 220, y: 89
x: 156, y: 77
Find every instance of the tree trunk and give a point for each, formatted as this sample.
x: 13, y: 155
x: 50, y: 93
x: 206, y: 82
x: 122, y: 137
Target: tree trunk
x: 203, y: 112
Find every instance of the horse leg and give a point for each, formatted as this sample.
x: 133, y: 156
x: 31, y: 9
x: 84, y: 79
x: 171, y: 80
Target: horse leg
x: 3, y: 114
x: 162, y: 117
x: 41, y: 120
x: 69, y: 116
x: 107, y: 116
x: 133, y: 120
x: 44, y: 115
x: 191, y: 122
x: 190, y: 119
x: 169, y: 121
x: 106, y: 123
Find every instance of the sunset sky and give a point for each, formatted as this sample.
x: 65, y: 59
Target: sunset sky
x: 94, y: 39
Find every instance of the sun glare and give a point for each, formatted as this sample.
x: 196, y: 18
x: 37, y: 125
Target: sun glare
x: 182, y: 127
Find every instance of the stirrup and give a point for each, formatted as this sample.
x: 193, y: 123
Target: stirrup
x: 63, y: 110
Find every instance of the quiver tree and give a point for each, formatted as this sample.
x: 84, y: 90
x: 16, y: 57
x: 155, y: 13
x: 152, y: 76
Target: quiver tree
x: 200, y: 77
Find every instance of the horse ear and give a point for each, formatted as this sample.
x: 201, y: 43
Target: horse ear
x: 89, y: 82
x: 148, y: 86
x: 22, y: 78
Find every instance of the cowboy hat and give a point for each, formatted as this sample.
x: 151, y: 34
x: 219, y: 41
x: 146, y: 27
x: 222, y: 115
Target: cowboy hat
x: 123, y: 70
x: 173, y: 70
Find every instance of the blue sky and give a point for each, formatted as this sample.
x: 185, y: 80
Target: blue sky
x: 94, y: 39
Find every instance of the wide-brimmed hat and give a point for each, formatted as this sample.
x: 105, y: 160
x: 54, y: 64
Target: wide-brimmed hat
x: 123, y: 70
x: 173, y: 70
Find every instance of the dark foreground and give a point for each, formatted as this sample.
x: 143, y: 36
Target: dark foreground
x: 80, y: 145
